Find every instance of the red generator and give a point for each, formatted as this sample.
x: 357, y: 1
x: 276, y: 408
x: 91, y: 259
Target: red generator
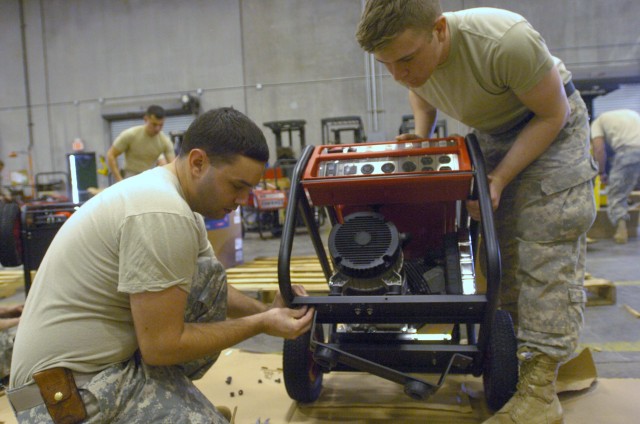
x: 266, y: 200
x: 401, y: 257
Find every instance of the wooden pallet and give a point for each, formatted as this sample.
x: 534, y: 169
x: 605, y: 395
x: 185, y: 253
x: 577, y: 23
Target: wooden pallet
x: 261, y: 274
x: 10, y: 282
x: 600, y: 292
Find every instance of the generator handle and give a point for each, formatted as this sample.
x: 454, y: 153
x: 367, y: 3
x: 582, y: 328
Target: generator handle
x: 486, y: 213
x: 490, y: 240
x: 297, y: 203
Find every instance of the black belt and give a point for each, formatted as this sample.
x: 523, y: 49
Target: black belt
x: 569, y: 89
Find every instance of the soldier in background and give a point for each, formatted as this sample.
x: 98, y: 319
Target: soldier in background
x: 619, y: 131
x: 144, y: 146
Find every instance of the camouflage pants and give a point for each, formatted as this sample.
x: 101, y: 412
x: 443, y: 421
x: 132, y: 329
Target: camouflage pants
x: 541, y: 224
x: 624, y: 175
x: 133, y: 392
x: 6, y: 350
x: 543, y: 264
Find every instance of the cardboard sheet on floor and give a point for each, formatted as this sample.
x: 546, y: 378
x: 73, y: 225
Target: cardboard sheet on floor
x: 365, y: 398
x: 346, y: 397
x: 577, y: 374
x: 357, y: 398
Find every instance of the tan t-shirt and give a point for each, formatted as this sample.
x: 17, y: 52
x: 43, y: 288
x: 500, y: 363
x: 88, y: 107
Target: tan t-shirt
x: 141, y: 151
x: 137, y: 235
x: 621, y: 128
x: 494, y: 55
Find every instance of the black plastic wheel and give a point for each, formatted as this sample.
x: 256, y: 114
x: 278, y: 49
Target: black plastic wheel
x: 500, y: 368
x: 10, y: 244
x: 302, y: 376
x: 453, y: 283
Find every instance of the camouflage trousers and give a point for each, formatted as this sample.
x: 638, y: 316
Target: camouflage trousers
x: 623, y: 177
x: 541, y: 224
x: 6, y: 350
x: 133, y: 392
x: 543, y: 264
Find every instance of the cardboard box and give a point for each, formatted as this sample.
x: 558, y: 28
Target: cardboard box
x: 225, y: 236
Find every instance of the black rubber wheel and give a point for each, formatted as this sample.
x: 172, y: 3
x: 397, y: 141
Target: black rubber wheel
x: 302, y: 376
x: 453, y: 283
x: 10, y: 244
x: 500, y: 368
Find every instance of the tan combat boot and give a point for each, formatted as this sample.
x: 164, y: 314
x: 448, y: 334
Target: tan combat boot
x: 621, y: 235
x: 535, y: 401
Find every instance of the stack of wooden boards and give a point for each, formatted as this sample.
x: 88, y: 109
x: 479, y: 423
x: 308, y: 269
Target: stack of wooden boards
x: 10, y: 281
x: 261, y: 275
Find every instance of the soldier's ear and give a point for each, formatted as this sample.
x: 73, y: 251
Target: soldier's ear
x: 198, y: 161
x: 440, y: 28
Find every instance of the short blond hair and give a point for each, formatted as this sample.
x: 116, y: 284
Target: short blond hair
x: 383, y: 20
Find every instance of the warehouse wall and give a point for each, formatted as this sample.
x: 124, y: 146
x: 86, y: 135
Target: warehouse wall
x: 272, y: 59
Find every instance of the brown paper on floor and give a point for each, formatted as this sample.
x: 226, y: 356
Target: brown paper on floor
x: 577, y: 374
x: 345, y: 397
x: 611, y: 401
x: 356, y: 397
x: 258, y: 377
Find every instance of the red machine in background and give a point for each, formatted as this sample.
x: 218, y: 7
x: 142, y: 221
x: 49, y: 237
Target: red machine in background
x: 266, y: 202
x: 402, y: 255
x: 265, y: 209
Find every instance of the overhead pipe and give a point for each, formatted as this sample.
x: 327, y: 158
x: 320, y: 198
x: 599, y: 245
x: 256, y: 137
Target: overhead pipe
x: 372, y: 78
x: 374, y: 91
x: 27, y: 90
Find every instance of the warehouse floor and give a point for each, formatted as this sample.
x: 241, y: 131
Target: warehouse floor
x: 612, y: 334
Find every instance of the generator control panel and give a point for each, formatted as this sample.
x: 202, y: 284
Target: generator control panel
x: 420, y: 156
x: 409, y: 169
x: 389, y: 165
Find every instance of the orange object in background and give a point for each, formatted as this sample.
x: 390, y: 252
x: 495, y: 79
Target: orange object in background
x: 272, y: 173
x: 268, y: 200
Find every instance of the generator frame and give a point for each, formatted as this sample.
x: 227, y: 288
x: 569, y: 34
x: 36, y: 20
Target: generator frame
x: 491, y: 353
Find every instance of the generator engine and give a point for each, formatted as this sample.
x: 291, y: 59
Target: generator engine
x: 366, y: 252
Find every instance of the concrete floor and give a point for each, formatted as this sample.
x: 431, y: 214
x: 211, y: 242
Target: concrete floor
x: 610, y: 330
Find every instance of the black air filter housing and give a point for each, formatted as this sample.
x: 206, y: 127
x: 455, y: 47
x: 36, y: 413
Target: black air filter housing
x: 365, y: 245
